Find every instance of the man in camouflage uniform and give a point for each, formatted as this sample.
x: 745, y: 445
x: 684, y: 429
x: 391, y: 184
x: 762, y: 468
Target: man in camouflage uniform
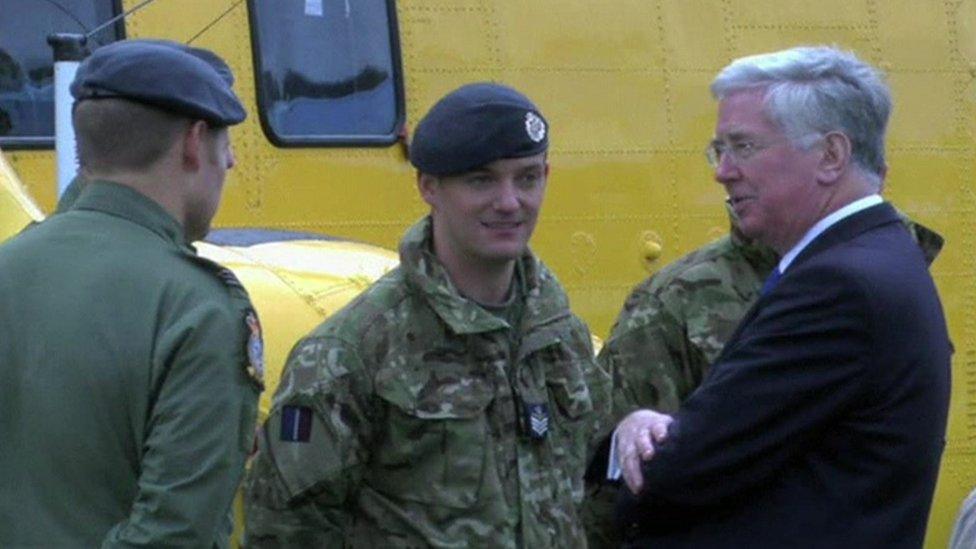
x: 451, y: 404
x: 673, y: 326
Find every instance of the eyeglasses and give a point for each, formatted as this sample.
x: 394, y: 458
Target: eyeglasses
x: 738, y: 151
x: 741, y: 150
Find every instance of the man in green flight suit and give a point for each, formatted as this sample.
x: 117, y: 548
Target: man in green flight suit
x: 129, y: 366
x: 451, y: 404
x: 672, y: 326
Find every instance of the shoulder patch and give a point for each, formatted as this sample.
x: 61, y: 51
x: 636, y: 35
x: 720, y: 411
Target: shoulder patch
x: 296, y: 423
x: 254, y: 348
x: 229, y: 278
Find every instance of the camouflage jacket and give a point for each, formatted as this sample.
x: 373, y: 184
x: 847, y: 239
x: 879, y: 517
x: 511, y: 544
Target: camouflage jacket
x: 675, y: 323
x: 671, y: 327
x: 412, y: 418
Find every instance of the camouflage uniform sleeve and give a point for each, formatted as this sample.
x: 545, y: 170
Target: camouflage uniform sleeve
x: 647, y: 357
x: 652, y: 363
x: 597, y: 383
x: 311, y: 450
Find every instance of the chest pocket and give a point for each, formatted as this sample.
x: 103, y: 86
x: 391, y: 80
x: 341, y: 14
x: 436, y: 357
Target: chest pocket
x: 567, y: 386
x: 433, y: 450
x: 572, y: 413
x: 562, y: 369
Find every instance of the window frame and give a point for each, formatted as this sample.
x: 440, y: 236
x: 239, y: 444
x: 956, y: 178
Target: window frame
x: 23, y: 142
x: 332, y: 140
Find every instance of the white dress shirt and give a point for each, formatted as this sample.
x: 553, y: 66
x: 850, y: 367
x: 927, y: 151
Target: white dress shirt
x: 820, y: 226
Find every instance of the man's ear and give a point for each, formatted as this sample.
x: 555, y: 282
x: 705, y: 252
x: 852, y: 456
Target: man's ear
x: 428, y: 186
x: 194, y: 145
x: 835, y: 157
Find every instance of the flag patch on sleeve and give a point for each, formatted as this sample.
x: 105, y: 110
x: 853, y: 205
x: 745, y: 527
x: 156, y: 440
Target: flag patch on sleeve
x: 296, y: 423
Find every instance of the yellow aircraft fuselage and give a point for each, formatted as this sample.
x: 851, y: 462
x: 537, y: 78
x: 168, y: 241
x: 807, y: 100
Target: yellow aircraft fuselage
x: 624, y: 86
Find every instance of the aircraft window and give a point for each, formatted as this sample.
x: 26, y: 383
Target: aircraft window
x: 327, y: 71
x: 26, y: 65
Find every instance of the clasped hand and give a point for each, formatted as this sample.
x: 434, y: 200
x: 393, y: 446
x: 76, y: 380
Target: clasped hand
x: 636, y: 436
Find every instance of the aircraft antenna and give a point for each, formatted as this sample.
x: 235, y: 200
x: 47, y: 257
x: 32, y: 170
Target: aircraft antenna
x: 214, y: 22
x: 67, y: 12
x: 112, y: 21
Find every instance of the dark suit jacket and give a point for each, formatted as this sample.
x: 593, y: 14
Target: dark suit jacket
x: 822, y: 422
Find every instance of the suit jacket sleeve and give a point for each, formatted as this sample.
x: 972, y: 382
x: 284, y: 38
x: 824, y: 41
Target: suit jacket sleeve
x: 798, y: 362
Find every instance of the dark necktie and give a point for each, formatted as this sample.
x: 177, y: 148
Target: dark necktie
x: 771, y: 282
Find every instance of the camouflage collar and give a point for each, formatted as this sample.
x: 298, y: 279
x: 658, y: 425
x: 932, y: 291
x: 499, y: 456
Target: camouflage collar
x: 543, y: 303
x: 757, y: 254
x: 760, y: 256
x: 928, y: 240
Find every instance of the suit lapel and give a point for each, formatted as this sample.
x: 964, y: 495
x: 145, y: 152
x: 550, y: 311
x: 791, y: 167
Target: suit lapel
x: 848, y: 228
x: 842, y: 231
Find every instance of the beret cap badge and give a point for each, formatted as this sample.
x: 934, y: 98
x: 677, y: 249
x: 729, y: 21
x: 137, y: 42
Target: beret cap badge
x: 535, y: 127
x: 475, y: 125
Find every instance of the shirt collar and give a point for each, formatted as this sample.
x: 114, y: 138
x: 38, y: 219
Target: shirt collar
x: 826, y: 223
x: 129, y: 204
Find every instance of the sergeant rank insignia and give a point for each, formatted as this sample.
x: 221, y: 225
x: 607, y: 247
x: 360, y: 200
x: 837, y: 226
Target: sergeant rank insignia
x: 254, y: 348
x: 537, y: 420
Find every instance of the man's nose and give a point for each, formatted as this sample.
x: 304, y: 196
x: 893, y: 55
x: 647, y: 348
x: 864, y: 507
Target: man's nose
x: 726, y: 170
x: 508, y: 196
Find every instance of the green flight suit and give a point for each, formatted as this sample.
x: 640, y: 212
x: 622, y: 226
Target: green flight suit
x: 126, y: 407
x: 70, y: 194
x: 413, y: 417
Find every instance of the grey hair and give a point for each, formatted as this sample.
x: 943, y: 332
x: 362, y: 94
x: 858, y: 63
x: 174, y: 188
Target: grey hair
x: 816, y: 90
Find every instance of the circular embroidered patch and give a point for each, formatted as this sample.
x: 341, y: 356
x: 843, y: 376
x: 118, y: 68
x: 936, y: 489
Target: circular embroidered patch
x: 535, y: 127
x: 255, y: 347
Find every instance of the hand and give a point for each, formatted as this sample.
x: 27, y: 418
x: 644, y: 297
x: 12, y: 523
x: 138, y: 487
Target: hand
x: 635, y: 438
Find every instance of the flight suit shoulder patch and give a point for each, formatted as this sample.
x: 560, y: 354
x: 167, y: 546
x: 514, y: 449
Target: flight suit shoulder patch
x: 229, y: 279
x: 254, y: 348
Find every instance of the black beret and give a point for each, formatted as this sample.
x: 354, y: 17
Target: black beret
x: 474, y: 125
x: 187, y: 81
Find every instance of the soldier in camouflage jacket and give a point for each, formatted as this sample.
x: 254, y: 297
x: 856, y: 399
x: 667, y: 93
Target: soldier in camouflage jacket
x: 420, y: 416
x: 407, y: 412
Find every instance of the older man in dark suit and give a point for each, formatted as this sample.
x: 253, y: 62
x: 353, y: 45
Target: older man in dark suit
x: 822, y: 422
